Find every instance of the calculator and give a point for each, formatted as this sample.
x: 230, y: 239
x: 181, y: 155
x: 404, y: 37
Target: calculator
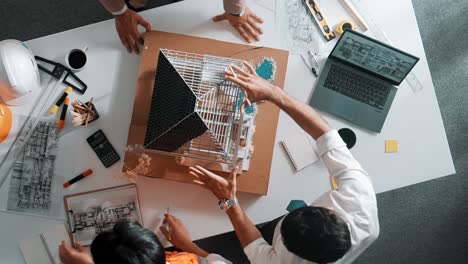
x: 103, y: 148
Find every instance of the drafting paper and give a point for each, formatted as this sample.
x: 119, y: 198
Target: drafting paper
x: 91, y: 213
x: 32, y: 186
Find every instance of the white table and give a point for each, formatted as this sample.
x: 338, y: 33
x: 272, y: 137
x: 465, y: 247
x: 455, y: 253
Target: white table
x: 414, y: 120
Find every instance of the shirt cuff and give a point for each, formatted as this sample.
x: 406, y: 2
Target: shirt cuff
x: 215, y: 258
x: 121, y: 11
x: 251, y: 248
x: 234, y: 7
x: 329, y: 141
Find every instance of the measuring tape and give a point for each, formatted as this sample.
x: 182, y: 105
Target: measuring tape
x: 327, y: 32
x: 379, y: 34
x: 344, y: 25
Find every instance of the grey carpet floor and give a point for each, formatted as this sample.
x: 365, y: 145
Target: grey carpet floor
x: 423, y: 223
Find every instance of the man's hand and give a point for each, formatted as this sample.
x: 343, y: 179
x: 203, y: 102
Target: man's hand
x: 257, y: 88
x: 247, y: 25
x: 221, y: 188
x: 127, y: 28
x: 176, y: 233
x: 69, y: 255
x: 179, y: 236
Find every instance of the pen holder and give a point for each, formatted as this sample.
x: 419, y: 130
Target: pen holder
x: 93, y: 115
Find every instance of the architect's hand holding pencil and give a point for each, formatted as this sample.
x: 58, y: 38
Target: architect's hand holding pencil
x: 176, y: 233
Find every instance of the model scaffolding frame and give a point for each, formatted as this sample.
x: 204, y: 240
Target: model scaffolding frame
x: 208, y: 123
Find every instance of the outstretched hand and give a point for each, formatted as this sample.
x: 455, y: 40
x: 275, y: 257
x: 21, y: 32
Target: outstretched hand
x: 247, y: 25
x: 127, y: 28
x: 78, y: 255
x: 257, y: 88
x: 222, y: 188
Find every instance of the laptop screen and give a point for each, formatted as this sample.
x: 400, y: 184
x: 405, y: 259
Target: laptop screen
x: 374, y: 56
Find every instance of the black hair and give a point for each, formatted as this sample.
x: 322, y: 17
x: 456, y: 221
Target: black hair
x: 127, y: 243
x: 316, y: 234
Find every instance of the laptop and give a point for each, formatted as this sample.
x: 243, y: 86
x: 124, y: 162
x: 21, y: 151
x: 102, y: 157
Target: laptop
x: 359, y: 79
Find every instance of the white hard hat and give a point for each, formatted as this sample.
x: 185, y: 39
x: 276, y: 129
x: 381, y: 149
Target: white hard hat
x: 19, y: 74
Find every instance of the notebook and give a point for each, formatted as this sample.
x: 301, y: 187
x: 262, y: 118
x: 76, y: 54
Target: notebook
x: 300, y: 150
x: 93, y: 212
x: 44, y: 247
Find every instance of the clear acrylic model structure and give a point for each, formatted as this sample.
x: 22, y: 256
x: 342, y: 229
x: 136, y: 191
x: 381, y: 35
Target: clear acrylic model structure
x: 195, y: 114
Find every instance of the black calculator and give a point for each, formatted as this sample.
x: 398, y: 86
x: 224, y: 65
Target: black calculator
x: 103, y: 148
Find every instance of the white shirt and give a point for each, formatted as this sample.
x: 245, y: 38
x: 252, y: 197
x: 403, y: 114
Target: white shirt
x: 354, y: 201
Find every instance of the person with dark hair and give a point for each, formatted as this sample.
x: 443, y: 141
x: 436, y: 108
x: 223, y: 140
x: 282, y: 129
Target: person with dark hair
x: 336, y: 227
x: 130, y: 243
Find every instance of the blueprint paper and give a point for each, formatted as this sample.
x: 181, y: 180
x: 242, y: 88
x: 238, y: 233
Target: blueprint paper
x: 33, y: 186
x: 298, y: 27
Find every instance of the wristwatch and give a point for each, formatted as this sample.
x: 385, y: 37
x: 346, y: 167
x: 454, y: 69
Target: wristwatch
x: 225, y: 204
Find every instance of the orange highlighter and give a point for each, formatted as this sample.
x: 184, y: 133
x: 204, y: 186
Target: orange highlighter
x: 77, y: 178
x: 61, y: 122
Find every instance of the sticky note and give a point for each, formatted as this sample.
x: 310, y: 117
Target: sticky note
x: 391, y: 146
x: 295, y: 204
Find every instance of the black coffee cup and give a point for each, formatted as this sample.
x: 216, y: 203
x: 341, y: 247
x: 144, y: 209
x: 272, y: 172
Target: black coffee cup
x: 76, y: 59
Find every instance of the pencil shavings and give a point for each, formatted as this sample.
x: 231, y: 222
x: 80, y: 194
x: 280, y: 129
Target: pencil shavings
x: 143, y: 168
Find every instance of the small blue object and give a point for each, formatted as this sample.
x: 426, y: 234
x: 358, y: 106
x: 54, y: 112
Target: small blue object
x: 295, y: 204
x: 266, y: 69
x: 248, y: 110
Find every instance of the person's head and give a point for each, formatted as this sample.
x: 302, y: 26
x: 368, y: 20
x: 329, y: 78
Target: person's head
x: 127, y: 243
x: 316, y: 234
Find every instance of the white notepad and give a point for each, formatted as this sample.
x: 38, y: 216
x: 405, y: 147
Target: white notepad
x: 44, y: 247
x: 300, y: 149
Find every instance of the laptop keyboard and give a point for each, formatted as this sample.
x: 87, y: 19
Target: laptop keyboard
x: 357, y: 87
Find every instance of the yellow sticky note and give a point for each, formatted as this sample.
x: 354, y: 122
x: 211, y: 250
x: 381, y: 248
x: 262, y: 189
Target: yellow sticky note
x: 391, y: 145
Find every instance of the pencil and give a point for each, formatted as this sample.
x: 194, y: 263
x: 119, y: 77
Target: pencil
x: 169, y: 229
x: 59, y: 102
x: 355, y: 14
x: 233, y: 72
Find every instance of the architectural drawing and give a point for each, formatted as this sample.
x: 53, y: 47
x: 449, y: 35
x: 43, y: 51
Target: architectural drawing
x: 298, y: 27
x: 100, y: 219
x: 382, y: 60
x: 92, y: 213
x: 32, y: 180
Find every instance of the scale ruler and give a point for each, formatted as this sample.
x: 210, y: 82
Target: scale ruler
x: 379, y: 34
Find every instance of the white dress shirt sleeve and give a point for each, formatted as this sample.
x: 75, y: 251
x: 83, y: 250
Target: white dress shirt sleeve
x: 354, y: 200
x: 260, y: 252
x: 217, y: 259
x: 113, y: 6
x: 235, y: 7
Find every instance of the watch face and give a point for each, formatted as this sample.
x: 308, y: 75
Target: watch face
x: 224, y: 205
